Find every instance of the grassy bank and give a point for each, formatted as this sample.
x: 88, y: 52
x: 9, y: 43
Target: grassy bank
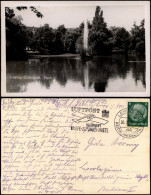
x: 54, y: 56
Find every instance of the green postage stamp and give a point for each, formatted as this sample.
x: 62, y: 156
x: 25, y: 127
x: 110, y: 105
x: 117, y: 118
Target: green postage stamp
x: 137, y: 114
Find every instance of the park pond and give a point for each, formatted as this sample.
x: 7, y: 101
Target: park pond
x: 115, y: 73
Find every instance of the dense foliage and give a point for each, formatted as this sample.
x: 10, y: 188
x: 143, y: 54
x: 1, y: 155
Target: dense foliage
x: 46, y: 40
x: 17, y: 35
x: 137, y: 39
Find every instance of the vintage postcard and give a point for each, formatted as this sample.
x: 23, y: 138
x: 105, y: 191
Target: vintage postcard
x: 75, y: 146
x: 75, y: 48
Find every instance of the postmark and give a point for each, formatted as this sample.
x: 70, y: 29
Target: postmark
x: 89, y: 119
x: 120, y: 123
x: 137, y: 114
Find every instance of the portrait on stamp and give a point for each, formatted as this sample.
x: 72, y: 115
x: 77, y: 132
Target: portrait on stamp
x: 137, y: 114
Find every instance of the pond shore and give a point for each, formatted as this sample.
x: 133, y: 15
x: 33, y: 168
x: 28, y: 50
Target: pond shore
x: 53, y: 56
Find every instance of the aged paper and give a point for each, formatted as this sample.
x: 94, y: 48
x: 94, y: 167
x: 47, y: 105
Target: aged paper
x: 75, y: 146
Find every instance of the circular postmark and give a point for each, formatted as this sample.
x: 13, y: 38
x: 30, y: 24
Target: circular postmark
x: 120, y: 123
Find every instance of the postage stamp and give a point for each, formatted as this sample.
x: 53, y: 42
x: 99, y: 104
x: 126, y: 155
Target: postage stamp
x: 137, y: 114
x: 120, y: 123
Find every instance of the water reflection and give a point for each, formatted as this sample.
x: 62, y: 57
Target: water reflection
x: 102, y: 74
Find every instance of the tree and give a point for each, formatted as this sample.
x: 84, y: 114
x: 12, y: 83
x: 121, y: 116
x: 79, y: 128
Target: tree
x: 71, y: 37
x: 16, y: 33
x: 98, y: 23
x: 15, y: 39
x: 43, y: 40
x: 99, y: 34
x: 79, y: 45
x: 9, y: 13
x: 137, y: 41
x: 59, y: 39
x: 120, y: 39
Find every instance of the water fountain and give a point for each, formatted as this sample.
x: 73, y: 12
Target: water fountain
x: 85, y: 55
x: 85, y: 38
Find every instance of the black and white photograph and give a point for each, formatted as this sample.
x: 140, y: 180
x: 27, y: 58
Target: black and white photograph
x: 79, y: 48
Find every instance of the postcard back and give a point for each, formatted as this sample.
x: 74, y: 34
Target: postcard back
x: 75, y: 146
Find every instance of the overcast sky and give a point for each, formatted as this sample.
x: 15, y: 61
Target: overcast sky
x: 72, y: 16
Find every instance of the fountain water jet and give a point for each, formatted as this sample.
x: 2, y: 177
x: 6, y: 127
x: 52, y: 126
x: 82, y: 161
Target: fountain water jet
x: 84, y: 54
x: 85, y: 38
